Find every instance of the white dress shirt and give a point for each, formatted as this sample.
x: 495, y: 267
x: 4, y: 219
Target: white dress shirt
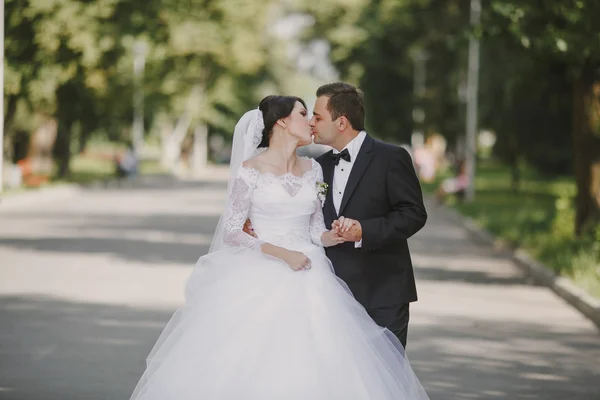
x: 342, y: 172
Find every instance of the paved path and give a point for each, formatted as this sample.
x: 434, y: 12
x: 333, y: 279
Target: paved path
x: 88, y: 280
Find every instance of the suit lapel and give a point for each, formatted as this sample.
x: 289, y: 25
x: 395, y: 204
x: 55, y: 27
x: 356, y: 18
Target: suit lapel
x: 363, y: 159
x: 328, y: 170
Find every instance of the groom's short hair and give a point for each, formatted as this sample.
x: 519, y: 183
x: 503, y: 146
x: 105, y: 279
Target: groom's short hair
x: 345, y: 100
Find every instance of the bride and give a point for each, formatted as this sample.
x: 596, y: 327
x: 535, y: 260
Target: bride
x: 266, y: 318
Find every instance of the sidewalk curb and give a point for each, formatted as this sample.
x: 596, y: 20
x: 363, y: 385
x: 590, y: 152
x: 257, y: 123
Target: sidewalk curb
x: 540, y: 274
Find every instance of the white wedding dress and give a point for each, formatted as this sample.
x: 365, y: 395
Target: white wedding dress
x: 252, y: 328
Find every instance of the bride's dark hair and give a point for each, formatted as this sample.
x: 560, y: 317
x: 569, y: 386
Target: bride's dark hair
x: 274, y: 108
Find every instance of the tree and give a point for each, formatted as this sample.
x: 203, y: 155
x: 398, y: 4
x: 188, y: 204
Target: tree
x: 522, y: 100
x: 72, y: 61
x: 54, y: 52
x: 568, y: 33
x: 549, y: 46
x: 373, y: 45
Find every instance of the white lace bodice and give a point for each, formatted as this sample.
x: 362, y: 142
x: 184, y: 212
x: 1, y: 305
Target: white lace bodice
x: 284, y: 210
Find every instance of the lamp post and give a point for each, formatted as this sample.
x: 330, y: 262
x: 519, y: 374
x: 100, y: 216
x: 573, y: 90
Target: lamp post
x: 139, y: 60
x: 472, y: 93
x: 1, y: 96
x: 419, y: 58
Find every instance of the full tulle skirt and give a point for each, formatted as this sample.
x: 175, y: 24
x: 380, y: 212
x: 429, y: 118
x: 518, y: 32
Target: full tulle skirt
x: 251, y: 328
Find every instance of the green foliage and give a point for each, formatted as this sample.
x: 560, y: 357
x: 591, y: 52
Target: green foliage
x: 531, y: 116
x: 73, y: 61
x: 565, y: 36
x: 562, y: 225
x: 540, y: 62
x: 539, y: 218
x: 566, y: 30
x: 575, y: 257
x: 373, y: 44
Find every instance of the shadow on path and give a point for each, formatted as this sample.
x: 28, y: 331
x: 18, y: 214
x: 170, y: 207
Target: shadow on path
x: 179, y: 236
x: 60, y: 350
x: 127, y: 238
x: 486, y: 359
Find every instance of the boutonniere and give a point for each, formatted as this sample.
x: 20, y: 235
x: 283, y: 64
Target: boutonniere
x: 322, y: 191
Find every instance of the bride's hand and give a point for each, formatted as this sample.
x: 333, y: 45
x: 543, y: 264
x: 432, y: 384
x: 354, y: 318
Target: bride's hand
x: 296, y: 260
x: 332, y: 238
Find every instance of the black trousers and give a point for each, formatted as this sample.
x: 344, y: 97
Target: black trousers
x: 395, y: 318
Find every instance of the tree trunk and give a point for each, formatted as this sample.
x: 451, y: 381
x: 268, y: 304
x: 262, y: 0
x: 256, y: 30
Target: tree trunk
x: 586, y: 149
x: 62, y: 149
x: 11, y: 108
x: 69, y: 105
x: 62, y: 145
x: 83, y: 139
x: 9, y: 134
x: 515, y: 173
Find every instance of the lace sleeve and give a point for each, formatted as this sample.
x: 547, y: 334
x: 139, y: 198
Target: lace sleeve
x: 236, y: 211
x: 317, y: 222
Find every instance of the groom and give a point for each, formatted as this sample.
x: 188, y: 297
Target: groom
x: 373, y: 183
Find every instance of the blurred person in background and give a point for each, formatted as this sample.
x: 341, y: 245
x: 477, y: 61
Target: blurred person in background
x: 456, y: 185
x: 425, y: 160
x: 126, y: 164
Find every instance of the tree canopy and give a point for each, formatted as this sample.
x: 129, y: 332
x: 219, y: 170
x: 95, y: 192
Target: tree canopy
x: 210, y: 60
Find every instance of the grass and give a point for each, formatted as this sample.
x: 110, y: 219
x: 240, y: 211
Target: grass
x: 539, y: 218
x: 94, y: 165
x: 89, y: 167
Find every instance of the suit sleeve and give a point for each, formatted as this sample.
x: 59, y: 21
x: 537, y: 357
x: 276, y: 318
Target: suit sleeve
x: 407, y: 215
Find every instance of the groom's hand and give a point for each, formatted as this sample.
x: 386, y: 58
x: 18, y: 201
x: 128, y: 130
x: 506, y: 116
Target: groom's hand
x: 248, y: 229
x: 349, y: 229
x: 331, y: 238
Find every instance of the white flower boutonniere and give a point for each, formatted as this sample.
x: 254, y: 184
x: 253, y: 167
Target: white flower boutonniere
x: 322, y: 191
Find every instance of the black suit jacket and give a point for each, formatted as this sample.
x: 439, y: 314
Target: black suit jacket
x: 384, y: 195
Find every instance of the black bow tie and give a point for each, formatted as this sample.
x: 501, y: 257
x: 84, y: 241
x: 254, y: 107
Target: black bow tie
x: 344, y: 155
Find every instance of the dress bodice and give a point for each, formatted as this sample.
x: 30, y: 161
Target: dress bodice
x: 282, y: 207
x: 285, y: 210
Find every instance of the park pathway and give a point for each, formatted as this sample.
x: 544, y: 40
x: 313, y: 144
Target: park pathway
x: 89, y: 278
